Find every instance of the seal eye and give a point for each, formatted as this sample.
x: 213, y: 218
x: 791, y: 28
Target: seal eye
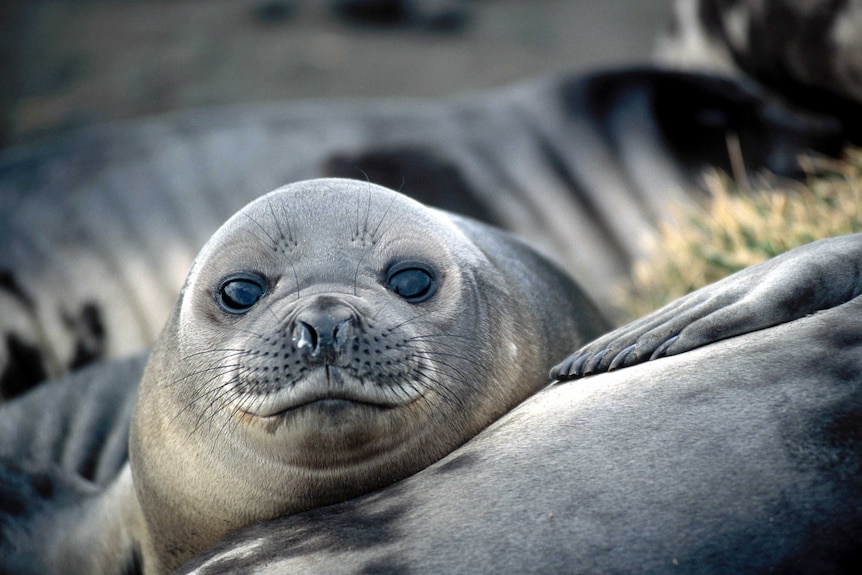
x: 414, y: 282
x: 237, y: 294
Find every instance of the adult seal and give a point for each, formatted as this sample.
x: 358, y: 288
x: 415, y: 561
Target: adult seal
x: 331, y: 338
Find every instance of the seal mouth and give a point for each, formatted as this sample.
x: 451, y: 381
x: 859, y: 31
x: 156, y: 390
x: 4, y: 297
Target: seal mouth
x: 326, y: 387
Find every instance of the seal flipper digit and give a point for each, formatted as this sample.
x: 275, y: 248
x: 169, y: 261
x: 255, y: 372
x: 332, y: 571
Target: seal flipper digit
x: 811, y: 278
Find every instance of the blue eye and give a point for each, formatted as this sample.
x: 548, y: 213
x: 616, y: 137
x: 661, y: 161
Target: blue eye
x: 412, y: 281
x: 238, y: 293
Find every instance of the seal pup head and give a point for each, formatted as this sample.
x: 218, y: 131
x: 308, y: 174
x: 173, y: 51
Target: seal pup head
x: 332, y: 338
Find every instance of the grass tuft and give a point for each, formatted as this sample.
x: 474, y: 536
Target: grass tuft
x: 746, y: 224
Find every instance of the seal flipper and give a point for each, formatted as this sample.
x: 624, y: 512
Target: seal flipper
x: 808, y: 279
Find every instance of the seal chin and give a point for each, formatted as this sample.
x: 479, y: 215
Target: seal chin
x: 326, y: 388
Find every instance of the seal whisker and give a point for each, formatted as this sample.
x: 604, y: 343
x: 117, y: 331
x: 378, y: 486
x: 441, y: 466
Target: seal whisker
x: 422, y: 336
x: 438, y: 387
x: 367, y: 218
x: 197, y: 372
x: 408, y: 320
x: 454, y: 372
x: 459, y: 376
x: 409, y: 397
x: 412, y: 344
x: 289, y: 238
x: 372, y: 242
x: 437, y: 364
x: 215, y: 390
x: 235, y: 369
x: 277, y: 319
x: 272, y: 244
x: 231, y: 399
x: 427, y: 369
x: 420, y: 383
x: 206, y: 351
x: 374, y: 233
x: 226, y: 393
x: 453, y: 353
x: 245, y: 331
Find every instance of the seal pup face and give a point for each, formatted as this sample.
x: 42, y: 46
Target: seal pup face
x: 333, y: 324
x: 331, y: 338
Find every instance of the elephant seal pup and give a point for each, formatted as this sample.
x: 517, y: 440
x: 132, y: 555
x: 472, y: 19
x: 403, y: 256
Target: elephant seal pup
x: 331, y: 338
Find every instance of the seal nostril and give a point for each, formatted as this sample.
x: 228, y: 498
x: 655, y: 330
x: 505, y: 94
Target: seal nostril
x: 304, y: 337
x: 338, y: 334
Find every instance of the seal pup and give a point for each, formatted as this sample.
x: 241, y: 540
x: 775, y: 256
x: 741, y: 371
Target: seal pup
x: 331, y: 338
x: 741, y: 456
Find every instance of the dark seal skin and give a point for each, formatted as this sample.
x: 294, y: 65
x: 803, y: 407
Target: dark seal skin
x: 738, y: 456
x: 331, y: 338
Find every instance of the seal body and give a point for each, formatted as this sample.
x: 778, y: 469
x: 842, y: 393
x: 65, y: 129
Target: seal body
x: 331, y: 338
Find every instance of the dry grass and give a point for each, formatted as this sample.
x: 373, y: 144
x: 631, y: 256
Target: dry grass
x: 746, y: 224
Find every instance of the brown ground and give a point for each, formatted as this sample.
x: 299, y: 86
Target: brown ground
x: 70, y: 63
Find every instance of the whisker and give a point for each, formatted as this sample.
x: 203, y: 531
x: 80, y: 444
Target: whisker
x: 206, y: 351
x: 201, y: 371
x: 213, y: 390
x: 273, y: 244
x: 288, y: 239
x: 374, y: 234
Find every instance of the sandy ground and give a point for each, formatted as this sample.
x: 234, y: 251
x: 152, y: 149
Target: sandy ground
x: 70, y: 63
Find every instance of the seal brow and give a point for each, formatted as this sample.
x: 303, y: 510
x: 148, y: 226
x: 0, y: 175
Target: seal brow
x: 382, y: 219
x: 273, y: 244
x: 289, y: 236
x: 289, y: 239
x: 373, y: 241
x: 367, y: 212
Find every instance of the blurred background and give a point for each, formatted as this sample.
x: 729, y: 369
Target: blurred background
x: 65, y: 64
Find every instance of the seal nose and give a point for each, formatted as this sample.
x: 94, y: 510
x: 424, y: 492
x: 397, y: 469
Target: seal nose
x: 322, y: 330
